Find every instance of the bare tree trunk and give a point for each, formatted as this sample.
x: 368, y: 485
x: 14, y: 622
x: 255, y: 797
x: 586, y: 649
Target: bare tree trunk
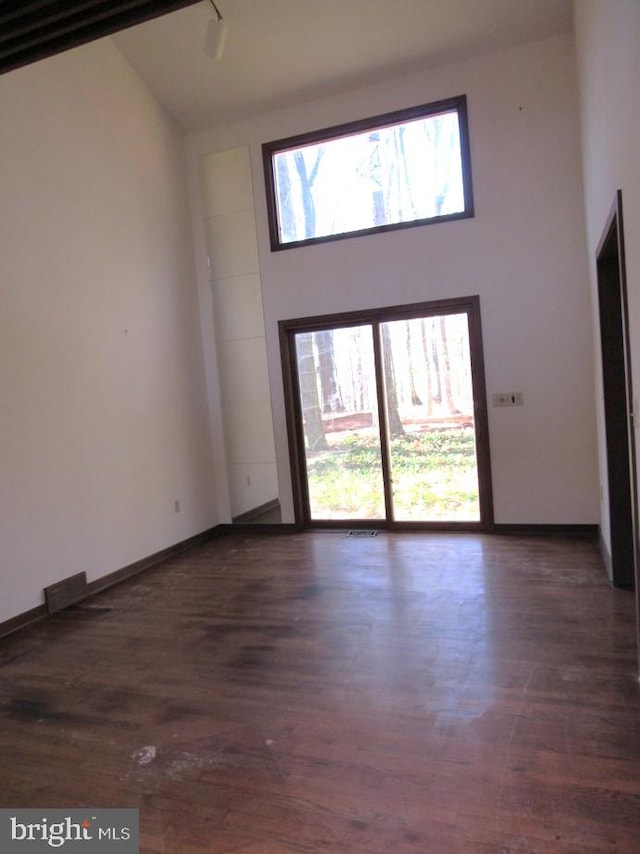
x: 415, y: 397
x: 442, y: 194
x: 437, y: 397
x: 395, y: 424
x: 377, y: 192
x: 314, y: 431
x: 331, y: 398
x: 427, y: 362
x: 306, y: 184
x: 360, y: 394
x: 433, y: 131
x: 404, y: 178
x: 287, y: 219
x: 446, y: 366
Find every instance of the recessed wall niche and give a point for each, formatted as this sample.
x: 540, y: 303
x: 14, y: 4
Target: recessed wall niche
x: 234, y: 274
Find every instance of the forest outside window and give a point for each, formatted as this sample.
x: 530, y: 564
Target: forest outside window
x: 406, y: 168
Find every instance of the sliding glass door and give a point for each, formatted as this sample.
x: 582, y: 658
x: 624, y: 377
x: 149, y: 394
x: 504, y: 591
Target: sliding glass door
x: 430, y: 419
x: 388, y: 417
x: 339, y: 407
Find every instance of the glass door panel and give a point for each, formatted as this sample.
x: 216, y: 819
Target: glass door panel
x: 337, y: 388
x: 430, y: 419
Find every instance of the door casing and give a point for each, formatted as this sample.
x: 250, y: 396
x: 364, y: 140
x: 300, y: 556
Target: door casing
x: 622, y: 562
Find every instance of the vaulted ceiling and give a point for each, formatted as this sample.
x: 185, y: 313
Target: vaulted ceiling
x: 278, y: 52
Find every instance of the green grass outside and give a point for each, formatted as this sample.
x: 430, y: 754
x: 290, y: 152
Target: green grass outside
x: 434, y: 475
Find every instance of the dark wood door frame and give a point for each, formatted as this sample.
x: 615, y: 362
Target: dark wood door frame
x: 622, y: 562
x: 295, y: 428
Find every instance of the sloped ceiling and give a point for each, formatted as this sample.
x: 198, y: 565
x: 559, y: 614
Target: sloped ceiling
x: 278, y: 52
x: 282, y: 52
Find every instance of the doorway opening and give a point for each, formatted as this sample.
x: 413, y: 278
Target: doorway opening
x: 387, y: 417
x: 618, y: 402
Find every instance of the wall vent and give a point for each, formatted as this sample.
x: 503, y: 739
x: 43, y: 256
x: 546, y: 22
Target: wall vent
x: 67, y: 592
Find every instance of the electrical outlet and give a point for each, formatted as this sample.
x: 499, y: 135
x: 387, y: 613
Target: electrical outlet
x: 176, y: 506
x: 508, y: 398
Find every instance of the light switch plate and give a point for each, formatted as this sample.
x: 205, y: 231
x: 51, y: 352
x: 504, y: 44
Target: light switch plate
x: 508, y: 398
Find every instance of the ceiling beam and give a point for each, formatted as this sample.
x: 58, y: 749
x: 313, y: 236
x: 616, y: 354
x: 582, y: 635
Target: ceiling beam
x: 42, y: 28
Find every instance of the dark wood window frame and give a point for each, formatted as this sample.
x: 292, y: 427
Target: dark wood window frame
x: 270, y: 149
x: 295, y: 430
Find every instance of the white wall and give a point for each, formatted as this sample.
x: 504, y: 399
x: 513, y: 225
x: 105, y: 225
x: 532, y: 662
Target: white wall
x: 234, y: 274
x: 523, y: 253
x: 608, y: 59
x: 104, y: 414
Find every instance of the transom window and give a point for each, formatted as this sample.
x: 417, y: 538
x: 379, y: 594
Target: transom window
x: 406, y: 168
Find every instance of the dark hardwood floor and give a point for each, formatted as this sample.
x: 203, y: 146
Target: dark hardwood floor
x: 320, y: 693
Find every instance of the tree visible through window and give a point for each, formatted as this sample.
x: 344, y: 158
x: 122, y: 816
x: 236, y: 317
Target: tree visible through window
x: 405, y: 168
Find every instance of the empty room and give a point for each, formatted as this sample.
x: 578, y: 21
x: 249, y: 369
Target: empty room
x: 318, y: 351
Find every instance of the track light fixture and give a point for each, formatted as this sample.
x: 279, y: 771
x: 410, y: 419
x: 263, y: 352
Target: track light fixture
x: 216, y: 35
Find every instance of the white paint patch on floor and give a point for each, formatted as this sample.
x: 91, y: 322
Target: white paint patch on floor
x: 145, y: 755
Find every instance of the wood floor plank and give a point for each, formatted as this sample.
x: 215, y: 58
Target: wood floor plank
x: 313, y: 692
